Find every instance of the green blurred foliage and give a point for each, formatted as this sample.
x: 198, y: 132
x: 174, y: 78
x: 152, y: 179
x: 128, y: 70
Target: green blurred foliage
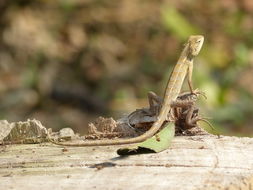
x: 171, y: 17
x: 66, y: 62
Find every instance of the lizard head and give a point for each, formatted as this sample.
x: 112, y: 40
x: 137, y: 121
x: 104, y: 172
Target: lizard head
x: 195, y: 44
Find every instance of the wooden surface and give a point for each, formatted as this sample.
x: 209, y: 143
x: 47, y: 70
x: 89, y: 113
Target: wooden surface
x: 192, y: 162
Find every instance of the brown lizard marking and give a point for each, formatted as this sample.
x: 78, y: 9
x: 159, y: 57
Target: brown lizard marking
x: 183, y: 67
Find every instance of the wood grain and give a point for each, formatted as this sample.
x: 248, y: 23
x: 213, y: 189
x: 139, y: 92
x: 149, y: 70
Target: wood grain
x: 192, y: 162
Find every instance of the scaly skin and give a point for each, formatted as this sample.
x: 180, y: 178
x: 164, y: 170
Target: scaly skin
x: 183, y: 67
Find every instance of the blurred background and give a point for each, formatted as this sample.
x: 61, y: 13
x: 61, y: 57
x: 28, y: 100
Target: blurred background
x: 66, y: 62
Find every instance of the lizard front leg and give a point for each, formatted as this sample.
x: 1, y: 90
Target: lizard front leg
x: 189, y: 79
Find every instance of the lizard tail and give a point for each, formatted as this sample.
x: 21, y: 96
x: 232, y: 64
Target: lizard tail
x: 151, y: 132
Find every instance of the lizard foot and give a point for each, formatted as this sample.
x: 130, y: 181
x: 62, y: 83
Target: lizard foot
x: 198, y: 92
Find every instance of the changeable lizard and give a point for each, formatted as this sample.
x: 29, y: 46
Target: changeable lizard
x: 183, y: 67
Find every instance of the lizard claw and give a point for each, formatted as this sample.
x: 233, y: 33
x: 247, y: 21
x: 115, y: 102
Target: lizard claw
x: 198, y: 92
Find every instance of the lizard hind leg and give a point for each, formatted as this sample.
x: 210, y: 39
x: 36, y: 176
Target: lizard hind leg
x: 183, y: 110
x: 192, y: 119
x: 155, y: 103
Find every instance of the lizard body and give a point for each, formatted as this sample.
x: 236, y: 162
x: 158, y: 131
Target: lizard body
x: 183, y: 67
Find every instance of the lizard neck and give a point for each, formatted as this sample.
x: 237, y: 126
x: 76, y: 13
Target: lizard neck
x: 177, y: 77
x: 186, y: 54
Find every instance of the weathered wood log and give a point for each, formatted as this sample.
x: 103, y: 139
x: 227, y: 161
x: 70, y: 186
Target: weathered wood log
x: 192, y: 162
